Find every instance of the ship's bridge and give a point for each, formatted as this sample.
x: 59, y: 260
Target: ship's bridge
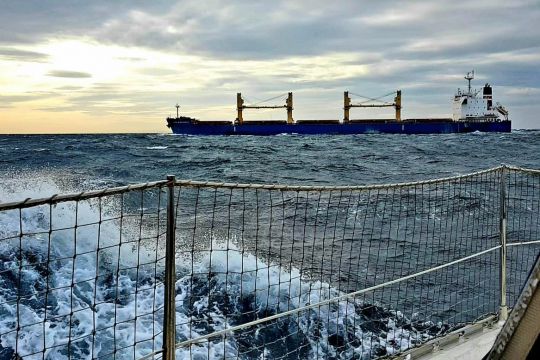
x: 469, y: 105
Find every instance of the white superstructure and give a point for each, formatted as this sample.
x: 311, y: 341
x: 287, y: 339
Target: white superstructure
x: 470, y: 105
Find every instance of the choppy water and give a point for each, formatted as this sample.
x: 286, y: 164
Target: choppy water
x: 38, y: 166
x: 117, y: 159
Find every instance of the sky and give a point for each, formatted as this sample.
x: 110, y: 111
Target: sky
x: 121, y: 66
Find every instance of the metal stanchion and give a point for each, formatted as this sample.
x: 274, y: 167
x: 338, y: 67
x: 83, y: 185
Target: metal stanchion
x: 503, y: 313
x: 169, y: 321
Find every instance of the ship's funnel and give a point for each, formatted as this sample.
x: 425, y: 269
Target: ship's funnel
x: 488, y: 95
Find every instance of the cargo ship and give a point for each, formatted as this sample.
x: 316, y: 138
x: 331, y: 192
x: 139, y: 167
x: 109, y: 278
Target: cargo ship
x: 473, y: 110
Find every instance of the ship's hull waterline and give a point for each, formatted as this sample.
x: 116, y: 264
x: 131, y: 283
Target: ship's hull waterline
x: 313, y: 128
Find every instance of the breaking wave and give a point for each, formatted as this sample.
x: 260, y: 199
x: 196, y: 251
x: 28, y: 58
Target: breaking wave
x: 88, y: 305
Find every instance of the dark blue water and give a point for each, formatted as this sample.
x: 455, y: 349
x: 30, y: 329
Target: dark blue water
x: 92, y: 160
x: 42, y: 165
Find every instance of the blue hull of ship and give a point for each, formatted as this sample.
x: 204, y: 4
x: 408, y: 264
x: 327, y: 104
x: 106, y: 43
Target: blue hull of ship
x: 446, y: 127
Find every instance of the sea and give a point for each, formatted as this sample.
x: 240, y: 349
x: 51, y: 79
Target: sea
x: 76, y: 162
x: 35, y: 166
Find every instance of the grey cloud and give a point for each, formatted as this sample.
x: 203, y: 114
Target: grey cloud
x: 99, y: 87
x: 260, y: 30
x: 21, y: 55
x: 236, y: 30
x: 69, y: 74
x: 130, y: 58
x: 69, y: 88
x: 157, y: 71
x: 9, y: 100
x: 247, y: 30
x: 58, y: 108
x: 412, y: 48
x: 104, y: 99
x: 31, y: 21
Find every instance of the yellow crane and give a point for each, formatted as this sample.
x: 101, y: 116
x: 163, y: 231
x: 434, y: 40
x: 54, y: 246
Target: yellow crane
x: 347, y: 104
x: 240, y: 107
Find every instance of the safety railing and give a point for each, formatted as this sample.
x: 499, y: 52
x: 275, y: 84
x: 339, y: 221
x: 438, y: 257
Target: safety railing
x: 191, y: 269
x: 81, y: 275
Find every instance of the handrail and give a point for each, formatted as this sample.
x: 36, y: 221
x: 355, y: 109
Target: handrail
x: 84, y: 195
x: 54, y: 199
x: 210, y: 184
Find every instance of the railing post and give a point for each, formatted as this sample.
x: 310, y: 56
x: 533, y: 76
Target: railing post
x: 503, y: 312
x: 169, y: 317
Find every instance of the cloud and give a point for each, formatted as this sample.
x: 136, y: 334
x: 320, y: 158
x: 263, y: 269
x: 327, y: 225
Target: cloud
x: 8, y: 99
x: 69, y: 88
x: 15, y: 54
x: 256, y: 30
x: 69, y: 74
x: 157, y: 71
x: 14, y: 99
x: 32, y: 21
x: 261, y: 30
x: 202, y: 53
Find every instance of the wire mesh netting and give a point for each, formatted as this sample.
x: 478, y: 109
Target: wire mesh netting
x: 82, y: 278
x: 523, y: 200
x: 262, y: 271
x: 250, y: 253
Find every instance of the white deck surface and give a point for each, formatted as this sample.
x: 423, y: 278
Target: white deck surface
x: 474, y: 347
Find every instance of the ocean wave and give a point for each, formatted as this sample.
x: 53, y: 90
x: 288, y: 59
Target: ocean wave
x: 104, y: 287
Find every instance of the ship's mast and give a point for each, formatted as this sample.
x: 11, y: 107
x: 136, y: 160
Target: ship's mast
x: 469, y: 77
x: 177, y: 107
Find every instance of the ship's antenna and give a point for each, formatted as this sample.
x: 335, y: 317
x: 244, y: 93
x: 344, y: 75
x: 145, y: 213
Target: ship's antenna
x: 469, y: 77
x: 177, y: 107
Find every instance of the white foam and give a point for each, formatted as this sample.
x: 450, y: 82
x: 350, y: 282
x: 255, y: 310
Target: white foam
x: 227, y: 272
